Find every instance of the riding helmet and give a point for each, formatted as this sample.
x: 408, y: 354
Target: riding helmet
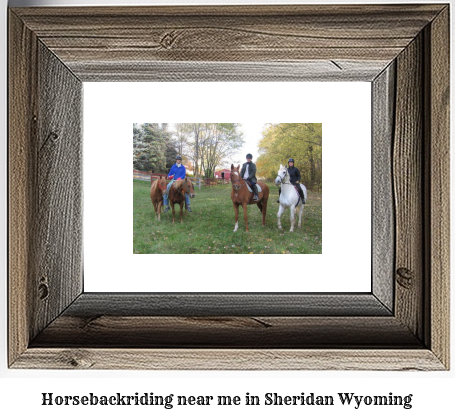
x: 249, y: 156
x: 291, y: 159
x: 178, y: 158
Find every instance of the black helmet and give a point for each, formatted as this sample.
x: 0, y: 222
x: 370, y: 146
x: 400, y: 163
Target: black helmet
x: 178, y: 158
x: 291, y: 159
x: 249, y: 156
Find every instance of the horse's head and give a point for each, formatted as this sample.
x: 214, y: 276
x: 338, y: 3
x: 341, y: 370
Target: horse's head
x: 163, y: 185
x: 235, y: 177
x: 282, y: 172
x: 189, y: 188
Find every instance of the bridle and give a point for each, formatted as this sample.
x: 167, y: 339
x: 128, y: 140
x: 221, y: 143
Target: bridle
x: 284, y: 177
x: 236, y: 186
x: 163, y: 188
x: 187, y: 188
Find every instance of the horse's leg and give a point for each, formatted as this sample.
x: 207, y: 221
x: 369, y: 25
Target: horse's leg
x: 181, y: 212
x: 173, y: 211
x: 292, y: 218
x: 160, y: 203
x: 264, y: 212
x: 300, y: 215
x: 236, y: 210
x: 154, y: 207
x: 280, y: 212
x: 245, y: 215
x: 260, y: 205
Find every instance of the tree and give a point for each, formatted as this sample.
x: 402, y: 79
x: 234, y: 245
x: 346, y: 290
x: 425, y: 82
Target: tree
x: 303, y: 142
x: 149, y: 146
x: 208, y: 144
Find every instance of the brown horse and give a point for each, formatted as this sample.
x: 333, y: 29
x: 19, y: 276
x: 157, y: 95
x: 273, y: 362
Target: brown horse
x: 177, y: 195
x: 158, y: 189
x: 240, y: 195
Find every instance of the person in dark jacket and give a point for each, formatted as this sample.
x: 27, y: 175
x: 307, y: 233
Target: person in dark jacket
x: 294, y: 176
x: 248, y: 173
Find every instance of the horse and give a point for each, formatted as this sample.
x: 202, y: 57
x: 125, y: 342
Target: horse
x: 158, y: 189
x: 289, y: 197
x: 240, y: 195
x: 177, y: 195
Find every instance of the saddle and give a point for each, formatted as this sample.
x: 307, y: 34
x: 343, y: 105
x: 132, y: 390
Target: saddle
x: 259, y: 189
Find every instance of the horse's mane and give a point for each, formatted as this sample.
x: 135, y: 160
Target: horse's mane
x: 179, y: 184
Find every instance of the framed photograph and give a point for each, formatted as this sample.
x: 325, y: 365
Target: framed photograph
x: 401, y: 323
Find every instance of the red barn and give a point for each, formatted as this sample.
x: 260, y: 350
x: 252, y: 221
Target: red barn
x: 223, y: 174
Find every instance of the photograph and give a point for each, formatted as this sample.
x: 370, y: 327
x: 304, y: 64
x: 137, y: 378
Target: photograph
x: 193, y: 184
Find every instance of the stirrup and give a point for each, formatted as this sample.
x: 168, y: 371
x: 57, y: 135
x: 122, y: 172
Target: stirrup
x: 255, y: 197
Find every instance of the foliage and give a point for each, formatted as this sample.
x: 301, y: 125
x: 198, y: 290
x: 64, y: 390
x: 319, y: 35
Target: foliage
x: 207, y: 145
x: 302, y: 142
x: 150, y: 147
x: 209, y: 229
x: 203, y: 146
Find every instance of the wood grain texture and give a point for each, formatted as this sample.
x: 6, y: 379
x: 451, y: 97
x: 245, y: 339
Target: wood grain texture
x: 235, y: 359
x: 45, y: 187
x: 408, y: 188
x: 383, y: 215
x: 256, y: 332
x: 22, y: 94
x: 58, y: 206
x: 309, y: 71
x: 439, y: 190
x: 227, y: 34
x: 89, y: 305
x: 53, y: 49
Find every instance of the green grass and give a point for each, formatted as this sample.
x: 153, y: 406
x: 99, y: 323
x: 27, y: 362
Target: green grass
x: 209, y: 229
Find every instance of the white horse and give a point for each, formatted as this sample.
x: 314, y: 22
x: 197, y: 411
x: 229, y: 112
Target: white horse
x: 289, y: 197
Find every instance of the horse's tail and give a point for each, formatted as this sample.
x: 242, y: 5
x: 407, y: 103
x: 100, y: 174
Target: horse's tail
x: 305, y: 192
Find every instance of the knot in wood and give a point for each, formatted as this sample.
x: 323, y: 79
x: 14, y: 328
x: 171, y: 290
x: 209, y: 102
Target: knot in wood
x: 76, y: 359
x: 405, y: 278
x: 53, y: 136
x: 168, y: 40
x: 43, y: 291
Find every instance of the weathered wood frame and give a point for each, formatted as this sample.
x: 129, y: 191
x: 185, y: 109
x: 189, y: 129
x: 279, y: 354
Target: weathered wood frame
x: 403, y: 324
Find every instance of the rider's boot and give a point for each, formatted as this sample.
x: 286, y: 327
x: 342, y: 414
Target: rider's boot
x: 302, y: 196
x: 188, y: 209
x: 255, y: 191
x: 166, y: 209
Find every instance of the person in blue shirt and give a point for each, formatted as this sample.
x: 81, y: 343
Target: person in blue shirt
x: 177, y: 172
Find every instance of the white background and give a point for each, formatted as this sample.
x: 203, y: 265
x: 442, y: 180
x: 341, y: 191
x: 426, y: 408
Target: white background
x: 345, y: 112
x: 20, y: 390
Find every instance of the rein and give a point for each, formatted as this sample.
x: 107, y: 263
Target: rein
x: 187, y: 189
x: 284, y: 178
x: 238, y: 180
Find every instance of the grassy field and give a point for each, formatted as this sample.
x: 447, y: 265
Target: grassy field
x: 209, y: 229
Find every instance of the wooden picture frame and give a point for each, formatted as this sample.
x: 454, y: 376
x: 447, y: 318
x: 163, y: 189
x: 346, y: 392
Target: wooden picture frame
x: 403, y: 324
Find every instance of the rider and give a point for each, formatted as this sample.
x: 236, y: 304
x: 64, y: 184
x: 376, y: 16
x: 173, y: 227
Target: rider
x: 248, y: 173
x: 294, y: 177
x: 177, y: 172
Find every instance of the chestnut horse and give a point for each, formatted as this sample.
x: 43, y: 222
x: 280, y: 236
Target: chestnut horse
x: 240, y: 195
x: 177, y: 195
x: 158, y: 189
